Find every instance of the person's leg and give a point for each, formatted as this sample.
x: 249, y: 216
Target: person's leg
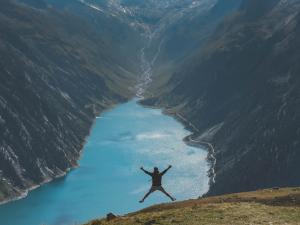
x: 146, y: 195
x: 167, y: 194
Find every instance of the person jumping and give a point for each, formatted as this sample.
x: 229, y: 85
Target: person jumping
x: 156, y: 182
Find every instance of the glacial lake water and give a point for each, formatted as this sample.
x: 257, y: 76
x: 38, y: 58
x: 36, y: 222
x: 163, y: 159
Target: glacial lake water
x: 109, y: 178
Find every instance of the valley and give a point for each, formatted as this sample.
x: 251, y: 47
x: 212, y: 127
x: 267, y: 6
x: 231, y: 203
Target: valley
x: 226, y: 70
x: 108, y: 177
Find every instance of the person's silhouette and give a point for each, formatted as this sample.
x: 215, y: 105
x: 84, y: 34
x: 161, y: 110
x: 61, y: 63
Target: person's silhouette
x: 156, y: 182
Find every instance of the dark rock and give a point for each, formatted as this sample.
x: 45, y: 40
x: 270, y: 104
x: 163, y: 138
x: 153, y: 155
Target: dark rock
x: 110, y: 216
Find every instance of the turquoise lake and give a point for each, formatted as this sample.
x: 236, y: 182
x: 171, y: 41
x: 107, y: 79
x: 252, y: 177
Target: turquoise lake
x: 109, y: 179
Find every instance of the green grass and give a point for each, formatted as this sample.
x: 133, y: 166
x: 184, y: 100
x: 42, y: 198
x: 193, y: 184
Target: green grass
x: 265, y: 207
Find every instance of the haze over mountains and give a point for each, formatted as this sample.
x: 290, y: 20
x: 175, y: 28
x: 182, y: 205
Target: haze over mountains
x: 228, y: 66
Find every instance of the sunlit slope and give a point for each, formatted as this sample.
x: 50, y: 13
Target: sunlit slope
x: 271, y: 206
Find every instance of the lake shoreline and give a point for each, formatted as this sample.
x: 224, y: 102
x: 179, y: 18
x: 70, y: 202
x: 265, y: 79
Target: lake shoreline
x: 24, y: 193
x: 120, y: 141
x: 211, y: 159
x: 21, y: 194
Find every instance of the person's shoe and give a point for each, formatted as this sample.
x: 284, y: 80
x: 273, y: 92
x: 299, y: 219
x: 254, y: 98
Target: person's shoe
x: 141, y: 201
x: 173, y: 199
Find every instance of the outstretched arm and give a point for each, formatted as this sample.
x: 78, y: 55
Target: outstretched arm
x: 163, y: 172
x: 146, y: 172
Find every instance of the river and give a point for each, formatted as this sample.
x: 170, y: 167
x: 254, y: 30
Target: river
x: 109, y: 178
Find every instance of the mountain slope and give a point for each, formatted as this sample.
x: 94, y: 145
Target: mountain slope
x: 270, y: 206
x: 179, y: 38
x: 57, y: 72
x: 242, y: 93
x: 63, y: 62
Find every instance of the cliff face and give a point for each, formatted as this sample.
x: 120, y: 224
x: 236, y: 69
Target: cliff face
x: 242, y: 92
x: 57, y: 72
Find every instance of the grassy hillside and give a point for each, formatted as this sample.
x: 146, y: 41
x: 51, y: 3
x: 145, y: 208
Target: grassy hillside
x: 270, y: 206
